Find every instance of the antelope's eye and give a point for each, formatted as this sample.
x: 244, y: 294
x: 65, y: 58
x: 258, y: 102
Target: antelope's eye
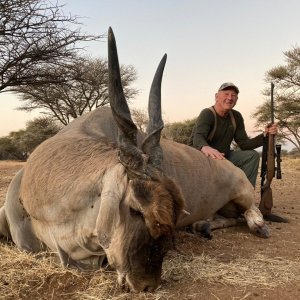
x: 135, y: 213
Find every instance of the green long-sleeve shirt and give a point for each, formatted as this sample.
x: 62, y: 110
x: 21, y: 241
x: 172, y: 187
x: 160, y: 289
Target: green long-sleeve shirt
x: 224, y: 133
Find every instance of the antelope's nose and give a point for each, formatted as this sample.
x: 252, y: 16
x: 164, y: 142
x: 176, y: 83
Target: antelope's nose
x: 143, y: 286
x: 150, y: 288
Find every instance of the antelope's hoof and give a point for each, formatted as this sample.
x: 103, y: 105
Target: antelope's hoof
x: 262, y: 231
x: 205, y: 230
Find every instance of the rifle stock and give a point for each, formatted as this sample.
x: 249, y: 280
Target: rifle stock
x: 266, y: 202
x: 271, y: 158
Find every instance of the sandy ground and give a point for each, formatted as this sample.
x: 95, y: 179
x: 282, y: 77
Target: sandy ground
x: 233, y: 265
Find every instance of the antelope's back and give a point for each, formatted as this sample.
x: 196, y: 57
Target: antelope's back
x: 97, y: 124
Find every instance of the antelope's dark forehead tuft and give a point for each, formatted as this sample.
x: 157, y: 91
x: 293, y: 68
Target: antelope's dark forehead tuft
x: 142, y: 190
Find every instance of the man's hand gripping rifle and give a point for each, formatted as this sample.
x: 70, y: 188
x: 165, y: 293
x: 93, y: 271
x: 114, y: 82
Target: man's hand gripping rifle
x: 268, y: 170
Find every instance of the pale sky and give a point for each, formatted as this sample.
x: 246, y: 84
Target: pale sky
x: 208, y: 42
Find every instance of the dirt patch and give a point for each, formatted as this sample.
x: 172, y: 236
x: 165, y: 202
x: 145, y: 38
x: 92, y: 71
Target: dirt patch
x: 7, y: 170
x: 233, y: 265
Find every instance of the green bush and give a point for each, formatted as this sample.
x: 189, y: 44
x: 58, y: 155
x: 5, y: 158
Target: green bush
x: 179, y: 131
x: 19, y: 144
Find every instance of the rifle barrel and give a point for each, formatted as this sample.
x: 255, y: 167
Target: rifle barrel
x: 272, y: 102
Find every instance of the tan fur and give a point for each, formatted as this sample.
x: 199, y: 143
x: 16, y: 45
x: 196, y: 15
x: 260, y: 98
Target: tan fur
x: 85, y: 160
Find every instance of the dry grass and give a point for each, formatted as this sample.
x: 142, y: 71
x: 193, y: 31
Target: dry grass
x: 25, y: 275
x: 260, y: 271
x: 291, y: 164
x: 38, y: 276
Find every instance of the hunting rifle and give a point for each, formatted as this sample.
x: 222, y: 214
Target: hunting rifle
x: 268, y: 170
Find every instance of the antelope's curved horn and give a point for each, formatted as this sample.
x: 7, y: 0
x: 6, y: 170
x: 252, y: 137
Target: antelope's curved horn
x: 151, y: 144
x: 118, y: 103
x: 129, y: 155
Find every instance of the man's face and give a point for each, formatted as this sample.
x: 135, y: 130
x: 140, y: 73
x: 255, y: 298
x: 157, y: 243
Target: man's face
x: 226, y: 99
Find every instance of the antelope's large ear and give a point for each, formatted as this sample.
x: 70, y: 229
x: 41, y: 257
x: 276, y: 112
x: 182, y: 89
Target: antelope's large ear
x: 151, y: 144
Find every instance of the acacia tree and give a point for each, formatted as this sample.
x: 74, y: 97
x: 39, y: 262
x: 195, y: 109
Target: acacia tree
x: 85, y: 88
x: 140, y: 118
x: 287, y: 98
x: 35, y: 37
x: 36, y: 131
